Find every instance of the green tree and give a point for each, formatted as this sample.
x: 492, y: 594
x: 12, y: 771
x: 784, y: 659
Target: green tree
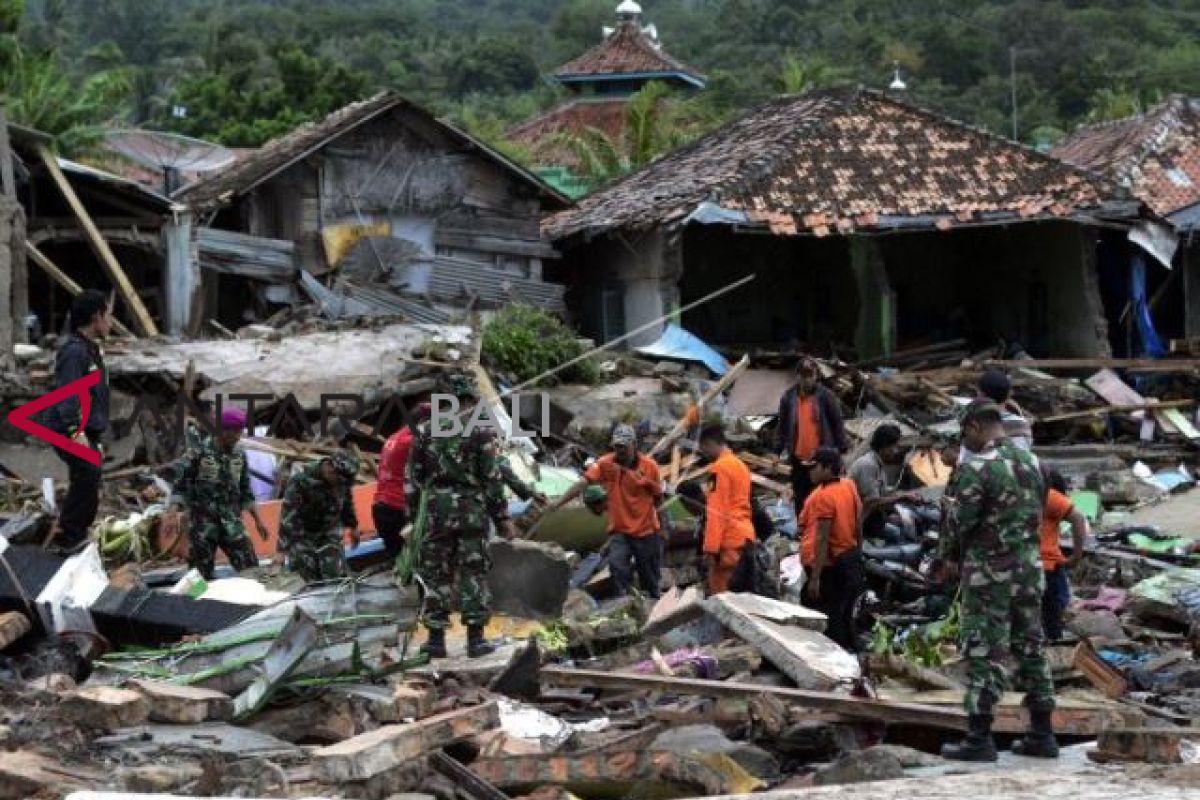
x: 1110, y: 104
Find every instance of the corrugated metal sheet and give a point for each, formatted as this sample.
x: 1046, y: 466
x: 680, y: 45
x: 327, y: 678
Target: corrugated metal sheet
x: 367, y: 301
x: 455, y: 280
x: 271, y: 260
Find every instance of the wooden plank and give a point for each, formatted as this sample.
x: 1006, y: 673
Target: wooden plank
x: 1091, y: 364
x: 64, y: 280
x: 108, y: 260
x: 1109, y: 385
x: 1148, y: 405
x: 856, y: 707
x: 682, y: 425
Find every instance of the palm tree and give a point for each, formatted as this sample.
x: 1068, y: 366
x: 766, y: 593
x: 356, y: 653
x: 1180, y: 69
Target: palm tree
x: 651, y: 128
x: 798, y: 76
x: 40, y: 94
x: 1112, y: 104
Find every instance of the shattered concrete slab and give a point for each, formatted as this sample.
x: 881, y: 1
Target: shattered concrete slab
x: 305, y: 366
x: 702, y: 739
x: 28, y: 774
x: 675, y: 608
x: 784, y: 634
x: 528, y: 579
x: 209, y: 737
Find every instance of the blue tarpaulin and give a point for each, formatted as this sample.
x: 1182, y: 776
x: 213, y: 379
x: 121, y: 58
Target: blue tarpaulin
x: 679, y: 345
x: 1152, y: 344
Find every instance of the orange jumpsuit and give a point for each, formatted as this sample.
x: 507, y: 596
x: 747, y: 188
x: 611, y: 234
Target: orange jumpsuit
x: 728, y: 524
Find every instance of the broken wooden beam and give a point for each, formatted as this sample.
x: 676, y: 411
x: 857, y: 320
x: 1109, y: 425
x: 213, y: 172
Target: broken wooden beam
x: 1084, y: 364
x: 856, y: 707
x: 369, y: 754
x: 475, y: 787
x: 64, y: 280
x: 144, y: 322
x: 682, y: 425
x: 1149, y: 405
x: 1112, y: 684
x: 184, y: 705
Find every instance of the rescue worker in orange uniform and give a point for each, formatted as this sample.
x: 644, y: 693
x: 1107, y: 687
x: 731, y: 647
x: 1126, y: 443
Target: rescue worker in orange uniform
x: 728, y: 526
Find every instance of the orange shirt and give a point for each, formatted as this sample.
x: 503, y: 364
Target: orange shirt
x: 727, y: 521
x: 632, y: 494
x: 808, y: 430
x: 836, y: 501
x: 1058, y: 508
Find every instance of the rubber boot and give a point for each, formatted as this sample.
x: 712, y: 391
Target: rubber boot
x: 1039, y: 742
x: 477, y: 645
x: 978, y: 745
x: 435, y: 645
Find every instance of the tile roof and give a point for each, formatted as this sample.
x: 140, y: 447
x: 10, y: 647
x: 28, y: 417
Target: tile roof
x: 278, y: 154
x: 541, y: 134
x: 843, y: 160
x: 1155, y: 155
x: 627, y: 51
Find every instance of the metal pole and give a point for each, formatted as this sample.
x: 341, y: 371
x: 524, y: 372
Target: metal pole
x: 1012, y: 83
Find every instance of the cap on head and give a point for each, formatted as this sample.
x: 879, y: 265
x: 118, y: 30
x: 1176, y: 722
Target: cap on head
x: 233, y: 419
x: 826, y: 457
x: 995, y: 386
x: 344, y: 464
x: 624, y: 434
x: 594, y: 494
x: 980, y: 411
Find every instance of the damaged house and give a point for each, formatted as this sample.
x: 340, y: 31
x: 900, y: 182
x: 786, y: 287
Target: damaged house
x: 1156, y: 156
x: 83, y: 227
x: 380, y: 208
x: 867, y: 221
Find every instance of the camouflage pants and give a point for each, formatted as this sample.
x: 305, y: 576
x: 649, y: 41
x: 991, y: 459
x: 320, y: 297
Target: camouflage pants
x: 207, y: 534
x: 317, y: 557
x: 447, y: 554
x: 1001, y: 617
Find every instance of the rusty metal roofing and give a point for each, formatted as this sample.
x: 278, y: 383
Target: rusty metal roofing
x: 1155, y: 155
x: 837, y: 161
x: 628, y: 51
x: 277, y: 155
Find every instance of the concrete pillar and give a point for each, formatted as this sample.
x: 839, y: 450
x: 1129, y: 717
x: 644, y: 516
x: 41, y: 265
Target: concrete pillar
x: 644, y: 274
x: 12, y: 257
x: 181, y: 280
x: 876, y: 332
x: 1093, y: 305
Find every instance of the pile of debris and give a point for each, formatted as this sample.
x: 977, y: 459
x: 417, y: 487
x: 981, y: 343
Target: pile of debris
x: 123, y: 673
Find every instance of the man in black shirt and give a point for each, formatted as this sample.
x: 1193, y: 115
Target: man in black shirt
x: 91, y: 321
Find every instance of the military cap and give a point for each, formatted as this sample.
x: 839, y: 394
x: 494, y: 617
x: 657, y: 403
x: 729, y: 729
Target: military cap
x: 345, y: 464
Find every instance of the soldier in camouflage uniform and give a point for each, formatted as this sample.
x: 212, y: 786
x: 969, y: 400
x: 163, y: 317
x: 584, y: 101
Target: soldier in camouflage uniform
x: 212, y: 481
x: 993, y: 534
x: 461, y: 479
x: 317, y: 505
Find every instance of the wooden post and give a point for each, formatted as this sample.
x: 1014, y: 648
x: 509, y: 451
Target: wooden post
x: 7, y: 182
x: 64, y: 280
x: 681, y: 427
x: 144, y: 322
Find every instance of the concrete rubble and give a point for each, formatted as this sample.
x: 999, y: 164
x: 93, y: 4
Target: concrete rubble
x: 121, y: 676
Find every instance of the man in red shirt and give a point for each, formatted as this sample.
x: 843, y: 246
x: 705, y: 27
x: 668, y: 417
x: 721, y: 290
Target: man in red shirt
x: 390, y: 510
x: 829, y: 545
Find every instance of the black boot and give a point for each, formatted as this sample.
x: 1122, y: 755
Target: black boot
x: 477, y: 645
x: 435, y: 645
x: 978, y: 745
x: 1040, y: 741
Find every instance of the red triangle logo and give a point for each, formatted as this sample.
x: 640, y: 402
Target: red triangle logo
x: 20, y: 417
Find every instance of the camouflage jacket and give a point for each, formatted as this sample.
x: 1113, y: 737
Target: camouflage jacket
x: 996, y: 506
x: 467, y: 466
x: 311, y: 507
x: 210, y: 481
